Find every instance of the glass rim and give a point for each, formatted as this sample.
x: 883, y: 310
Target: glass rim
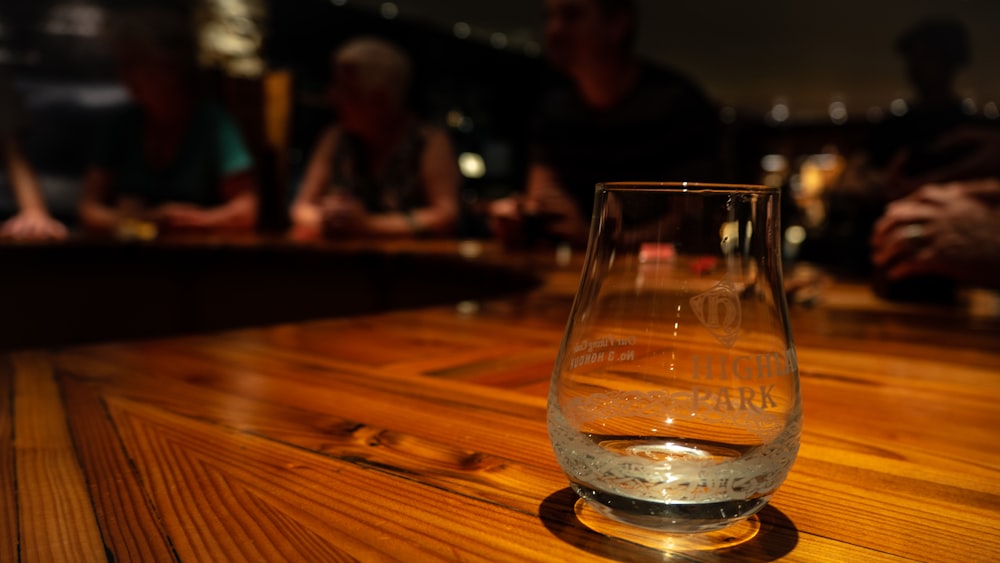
x: 686, y: 187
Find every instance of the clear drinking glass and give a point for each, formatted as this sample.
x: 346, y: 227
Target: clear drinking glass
x: 674, y: 403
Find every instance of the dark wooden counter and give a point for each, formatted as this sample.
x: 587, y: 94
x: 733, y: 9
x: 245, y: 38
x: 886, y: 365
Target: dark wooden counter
x: 419, y: 435
x: 93, y: 290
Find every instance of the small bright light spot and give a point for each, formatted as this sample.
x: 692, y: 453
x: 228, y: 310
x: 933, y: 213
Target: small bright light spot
x: 729, y: 234
x: 470, y: 249
x: 467, y: 308
x: 458, y: 120
x: 780, y: 113
x: 454, y: 118
x: 564, y: 255
x: 774, y: 163
x: 898, y: 107
x: 838, y: 113
x: 471, y: 165
x: 990, y: 110
x: 462, y: 30
x: 498, y: 40
x: 969, y: 106
x: 389, y: 10
x: 874, y: 114
x: 795, y: 234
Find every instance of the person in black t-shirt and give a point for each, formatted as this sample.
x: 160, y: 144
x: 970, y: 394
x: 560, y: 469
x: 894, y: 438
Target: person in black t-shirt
x: 619, y: 119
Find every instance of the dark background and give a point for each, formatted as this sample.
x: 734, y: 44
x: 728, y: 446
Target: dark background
x: 746, y: 55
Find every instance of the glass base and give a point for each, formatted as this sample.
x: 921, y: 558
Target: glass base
x: 671, y: 537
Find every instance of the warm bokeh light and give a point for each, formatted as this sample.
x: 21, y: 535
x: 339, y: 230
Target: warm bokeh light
x: 779, y: 113
x: 456, y: 119
x: 838, y: 112
x: 774, y: 163
x: 795, y: 234
x: 471, y: 165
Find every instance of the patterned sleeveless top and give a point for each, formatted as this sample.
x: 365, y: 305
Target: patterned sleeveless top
x: 399, y: 187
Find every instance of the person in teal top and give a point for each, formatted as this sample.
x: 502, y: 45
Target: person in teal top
x: 210, y: 150
x: 171, y: 158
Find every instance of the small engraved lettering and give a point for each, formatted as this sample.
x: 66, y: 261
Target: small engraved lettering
x: 765, y: 396
x: 745, y: 368
x: 586, y: 360
x: 746, y: 398
x: 724, y: 399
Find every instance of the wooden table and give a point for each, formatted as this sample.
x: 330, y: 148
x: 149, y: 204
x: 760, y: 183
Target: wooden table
x: 419, y: 435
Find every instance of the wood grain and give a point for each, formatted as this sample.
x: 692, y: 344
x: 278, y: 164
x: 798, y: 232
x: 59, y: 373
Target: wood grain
x: 419, y: 435
x: 8, y: 492
x: 56, y: 519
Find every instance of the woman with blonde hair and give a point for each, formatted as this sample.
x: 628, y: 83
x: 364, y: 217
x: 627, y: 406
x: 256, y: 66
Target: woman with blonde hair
x: 378, y: 171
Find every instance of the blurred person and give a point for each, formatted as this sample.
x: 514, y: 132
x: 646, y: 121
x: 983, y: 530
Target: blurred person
x: 976, y: 151
x: 949, y: 230
x: 32, y: 221
x: 936, y: 140
x: 378, y: 171
x: 948, y: 227
x: 619, y: 119
x: 171, y: 157
x: 907, y: 148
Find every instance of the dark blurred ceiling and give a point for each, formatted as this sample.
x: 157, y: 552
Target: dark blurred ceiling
x: 751, y: 54
x: 746, y: 54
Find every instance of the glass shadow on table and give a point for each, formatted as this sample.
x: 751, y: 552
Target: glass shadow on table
x: 774, y: 537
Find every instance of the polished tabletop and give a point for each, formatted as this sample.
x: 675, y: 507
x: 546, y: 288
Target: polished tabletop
x: 418, y: 434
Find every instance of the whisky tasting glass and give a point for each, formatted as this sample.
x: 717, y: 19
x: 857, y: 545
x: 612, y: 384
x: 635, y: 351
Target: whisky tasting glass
x: 674, y: 405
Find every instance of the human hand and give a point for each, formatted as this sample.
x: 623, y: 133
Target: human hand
x: 343, y: 214
x: 506, y: 221
x: 33, y: 225
x: 944, y: 229
x: 182, y: 216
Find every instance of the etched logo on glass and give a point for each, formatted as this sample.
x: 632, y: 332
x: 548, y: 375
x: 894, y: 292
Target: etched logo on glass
x: 718, y: 309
